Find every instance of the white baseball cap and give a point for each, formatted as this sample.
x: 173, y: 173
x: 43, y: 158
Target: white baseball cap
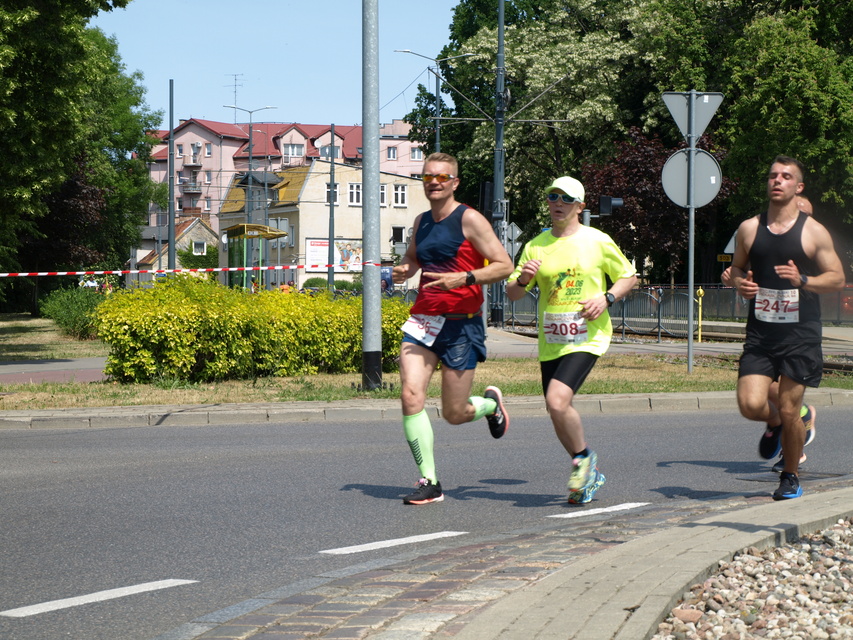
x: 569, y: 186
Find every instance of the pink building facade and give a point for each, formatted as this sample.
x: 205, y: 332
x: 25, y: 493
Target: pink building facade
x: 209, y: 156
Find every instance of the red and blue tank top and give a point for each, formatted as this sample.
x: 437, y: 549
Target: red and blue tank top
x: 441, y: 247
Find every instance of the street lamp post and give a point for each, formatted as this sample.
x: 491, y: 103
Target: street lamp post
x: 437, y: 89
x: 249, y: 202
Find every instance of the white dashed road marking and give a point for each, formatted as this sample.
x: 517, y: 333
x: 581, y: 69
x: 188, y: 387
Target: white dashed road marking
x: 100, y: 596
x: 592, y: 512
x: 394, y: 543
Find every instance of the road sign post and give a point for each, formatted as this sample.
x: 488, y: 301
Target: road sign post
x: 692, y: 112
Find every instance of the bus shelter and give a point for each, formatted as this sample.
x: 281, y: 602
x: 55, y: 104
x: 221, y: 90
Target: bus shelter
x: 241, y: 239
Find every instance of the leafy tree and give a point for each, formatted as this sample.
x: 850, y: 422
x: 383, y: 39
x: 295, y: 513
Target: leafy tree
x: 588, y: 72
x: 650, y: 225
x: 75, y: 181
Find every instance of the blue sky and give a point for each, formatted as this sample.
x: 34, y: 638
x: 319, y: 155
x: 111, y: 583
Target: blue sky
x: 303, y: 57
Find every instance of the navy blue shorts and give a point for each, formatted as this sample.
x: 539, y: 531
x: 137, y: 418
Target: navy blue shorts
x: 802, y: 363
x: 460, y: 344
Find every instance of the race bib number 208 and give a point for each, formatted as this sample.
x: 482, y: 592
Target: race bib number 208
x: 565, y: 328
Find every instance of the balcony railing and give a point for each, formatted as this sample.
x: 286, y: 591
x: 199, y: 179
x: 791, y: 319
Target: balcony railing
x: 192, y: 160
x: 191, y: 187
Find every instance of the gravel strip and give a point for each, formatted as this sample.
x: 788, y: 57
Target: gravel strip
x: 800, y: 591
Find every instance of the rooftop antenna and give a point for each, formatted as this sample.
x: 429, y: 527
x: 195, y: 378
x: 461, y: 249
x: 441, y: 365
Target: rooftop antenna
x: 236, y: 77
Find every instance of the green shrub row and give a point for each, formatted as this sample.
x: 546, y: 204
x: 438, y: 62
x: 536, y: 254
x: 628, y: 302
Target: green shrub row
x: 192, y: 329
x: 73, y: 311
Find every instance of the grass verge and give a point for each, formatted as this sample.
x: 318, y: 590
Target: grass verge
x: 26, y: 338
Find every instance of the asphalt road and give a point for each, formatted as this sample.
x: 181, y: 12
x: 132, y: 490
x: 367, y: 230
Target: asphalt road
x: 242, y: 510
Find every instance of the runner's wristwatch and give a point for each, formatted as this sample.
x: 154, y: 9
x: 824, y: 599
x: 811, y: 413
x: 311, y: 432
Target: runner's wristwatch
x: 610, y: 298
x: 470, y: 279
x: 804, y: 280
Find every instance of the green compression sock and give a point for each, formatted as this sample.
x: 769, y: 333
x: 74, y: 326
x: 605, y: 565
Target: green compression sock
x: 482, y: 406
x: 419, y: 435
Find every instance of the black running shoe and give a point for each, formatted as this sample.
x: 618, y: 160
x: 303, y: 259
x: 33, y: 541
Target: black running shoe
x: 770, y: 444
x: 425, y: 493
x: 789, y: 487
x: 499, y: 420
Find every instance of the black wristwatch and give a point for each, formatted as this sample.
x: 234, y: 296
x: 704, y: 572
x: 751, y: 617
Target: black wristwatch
x: 804, y: 280
x: 470, y: 278
x: 610, y: 298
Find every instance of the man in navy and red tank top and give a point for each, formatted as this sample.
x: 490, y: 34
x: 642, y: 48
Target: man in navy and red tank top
x: 783, y: 260
x: 450, y: 246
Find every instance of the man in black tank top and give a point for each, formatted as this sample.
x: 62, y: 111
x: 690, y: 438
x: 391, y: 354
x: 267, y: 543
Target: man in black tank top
x: 783, y: 260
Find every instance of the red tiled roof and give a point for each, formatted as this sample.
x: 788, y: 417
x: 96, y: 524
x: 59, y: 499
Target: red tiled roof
x: 266, y: 133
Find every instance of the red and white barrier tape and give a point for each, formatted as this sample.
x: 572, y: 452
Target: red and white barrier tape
x: 156, y: 271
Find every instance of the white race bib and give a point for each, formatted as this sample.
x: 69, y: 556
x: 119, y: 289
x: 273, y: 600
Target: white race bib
x: 777, y: 305
x: 565, y: 328
x: 424, y: 328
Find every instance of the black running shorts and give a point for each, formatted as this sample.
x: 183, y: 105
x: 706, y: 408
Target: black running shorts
x: 802, y: 363
x: 570, y: 369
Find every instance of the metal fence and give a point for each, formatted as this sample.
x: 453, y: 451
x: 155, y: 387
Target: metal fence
x: 663, y: 311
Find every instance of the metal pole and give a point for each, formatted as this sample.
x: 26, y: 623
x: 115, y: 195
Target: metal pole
x: 332, y: 193
x: 691, y: 212
x: 172, y: 258
x: 437, y: 110
x: 371, y: 299
x: 499, y: 208
x: 247, y: 281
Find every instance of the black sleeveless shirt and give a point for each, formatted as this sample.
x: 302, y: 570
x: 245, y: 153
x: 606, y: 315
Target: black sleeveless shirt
x: 774, y: 321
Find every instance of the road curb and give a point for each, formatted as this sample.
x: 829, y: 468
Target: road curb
x: 370, y: 410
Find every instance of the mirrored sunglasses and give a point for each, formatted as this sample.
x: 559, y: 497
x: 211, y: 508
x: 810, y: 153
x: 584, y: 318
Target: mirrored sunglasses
x: 553, y: 197
x: 441, y: 177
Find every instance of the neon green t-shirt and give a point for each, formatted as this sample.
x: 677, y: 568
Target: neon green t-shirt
x: 573, y: 269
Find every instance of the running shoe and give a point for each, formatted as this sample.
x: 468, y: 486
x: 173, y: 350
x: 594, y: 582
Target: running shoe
x: 425, y: 493
x: 809, y: 423
x: 789, y: 487
x: 499, y: 420
x: 770, y: 444
x: 779, y: 467
x: 587, y: 494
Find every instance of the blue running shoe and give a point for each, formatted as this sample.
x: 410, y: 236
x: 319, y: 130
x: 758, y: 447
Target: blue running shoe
x: 585, y: 480
x: 586, y: 495
x: 789, y: 487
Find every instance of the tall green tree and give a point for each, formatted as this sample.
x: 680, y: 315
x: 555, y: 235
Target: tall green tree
x: 589, y: 71
x: 74, y: 181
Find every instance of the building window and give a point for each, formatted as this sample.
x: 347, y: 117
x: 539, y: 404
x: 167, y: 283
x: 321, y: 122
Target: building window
x: 179, y: 177
x: 329, y: 194
x: 392, y: 153
x: 179, y: 204
x: 355, y: 194
x: 207, y: 204
x: 416, y: 176
x: 293, y: 150
x: 383, y: 196
x: 179, y: 150
x: 326, y: 151
x: 208, y: 149
x: 398, y: 234
x: 199, y: 248
x: 400, y: 192
x: 417, y: 153
x: 208, y: 177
